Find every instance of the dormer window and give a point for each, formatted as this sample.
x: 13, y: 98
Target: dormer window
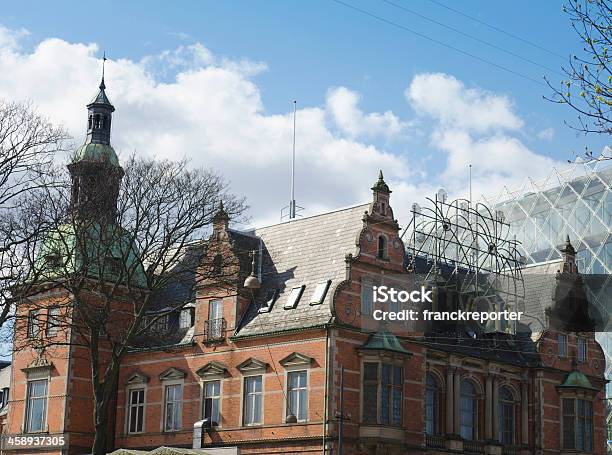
x: 270, y: 299
x: 382, y: 247
x: 294, y: 297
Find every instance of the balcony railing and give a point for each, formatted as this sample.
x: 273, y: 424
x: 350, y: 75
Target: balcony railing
x: 473, y: 446
x: 214, y: 330
x: 510, y: 450
x: 435, y: 441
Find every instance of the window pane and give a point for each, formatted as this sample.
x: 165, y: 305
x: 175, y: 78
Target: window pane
x: 37, y: 405
x: 369, y: 403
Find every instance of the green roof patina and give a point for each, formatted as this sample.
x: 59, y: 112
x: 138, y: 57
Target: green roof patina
x: 97, y: 153
x: 63, y: 252
x: 577, y: 380
x: 384, y: 341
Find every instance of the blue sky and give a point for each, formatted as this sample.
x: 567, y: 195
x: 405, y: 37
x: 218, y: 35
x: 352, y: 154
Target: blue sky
x: 308, y: 51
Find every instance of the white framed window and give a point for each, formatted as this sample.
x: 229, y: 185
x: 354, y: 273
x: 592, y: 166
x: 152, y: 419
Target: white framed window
x: 294, y: 297
x: 186, y: 318
x: 173, y: 407
x: 253, y: 400
x: 211, y: 401
x: 297, y: 394
x: 52, y: 321
x: 320, y: 292
x: 36, y: 405
x: 135, y: 412
x: 582, y: 349
x: 562, y: 340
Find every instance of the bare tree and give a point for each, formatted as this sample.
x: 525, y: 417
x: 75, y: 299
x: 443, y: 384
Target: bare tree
x: 588, y: 87
x: 28, y: 143
x: 117, y: 240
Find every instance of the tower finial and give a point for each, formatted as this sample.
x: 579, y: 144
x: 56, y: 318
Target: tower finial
x: 102, y: 84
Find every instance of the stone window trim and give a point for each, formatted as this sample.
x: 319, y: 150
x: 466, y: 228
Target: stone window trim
x: 37, y: 371
x: 203, y: 383
x: 211, y: 372
x: 250, y: 374
x: 171, y: 376
x: 128, y: 391
x: 380, y: 358
x: 292, y: 363
x: 249, y: 368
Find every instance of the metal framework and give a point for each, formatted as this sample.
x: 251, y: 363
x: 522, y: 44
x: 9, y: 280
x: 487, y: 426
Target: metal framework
x: 576, y: 202
x: 466, y: 248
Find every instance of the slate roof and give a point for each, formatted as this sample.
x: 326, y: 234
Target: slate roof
x: 300, y: 252
x: 540, y: 284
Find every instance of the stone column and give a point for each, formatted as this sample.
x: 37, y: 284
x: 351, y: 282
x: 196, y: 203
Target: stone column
x: 457, y: 401
x: 449, y: 400
x: 488, y: 408
x: 524, y: 413
x: 495, y: 410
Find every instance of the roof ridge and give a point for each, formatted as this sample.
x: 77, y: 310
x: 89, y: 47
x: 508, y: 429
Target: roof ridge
x: 341, y: 209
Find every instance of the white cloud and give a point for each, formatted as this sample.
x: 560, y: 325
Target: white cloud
x: 342, y: 107
x: 188, y: 102
x: 546, y: 134
x: 452, y: 104
x: 477, y: 127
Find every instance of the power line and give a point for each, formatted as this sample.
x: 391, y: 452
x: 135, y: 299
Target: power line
x: 441, y: 43
x: 475, y: 38
x: 497, y: 29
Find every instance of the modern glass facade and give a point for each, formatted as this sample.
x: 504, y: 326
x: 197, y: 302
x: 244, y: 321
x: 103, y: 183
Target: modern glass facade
x: 575, y: 203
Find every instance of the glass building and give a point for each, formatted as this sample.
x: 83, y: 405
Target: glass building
x: 575, y: 203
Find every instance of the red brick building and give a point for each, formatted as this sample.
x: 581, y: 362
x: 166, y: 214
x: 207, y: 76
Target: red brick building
x: 264, y: 364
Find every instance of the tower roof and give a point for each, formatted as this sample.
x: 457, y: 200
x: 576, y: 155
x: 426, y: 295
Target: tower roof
x: 101, y: 99
x: 98, y: 153
x: 381, y: 185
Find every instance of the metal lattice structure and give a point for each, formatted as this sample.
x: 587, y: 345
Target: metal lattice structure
x: 466, y: 248
x: 576, y: 202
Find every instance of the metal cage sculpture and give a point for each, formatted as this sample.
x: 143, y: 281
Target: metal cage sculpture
x: 466, y: 248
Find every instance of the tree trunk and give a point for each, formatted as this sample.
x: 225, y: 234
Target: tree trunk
x: 101, y: 427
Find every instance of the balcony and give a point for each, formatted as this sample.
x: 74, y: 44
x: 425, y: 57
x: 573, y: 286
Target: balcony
x: 435, y: 441
x: 214, y: 330
x: 473, y: 446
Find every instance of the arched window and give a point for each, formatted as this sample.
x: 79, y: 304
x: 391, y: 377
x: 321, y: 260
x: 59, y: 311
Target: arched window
x: 431, y: 405
x: 89, y: 122
x: 468, y: 409
x: 97, y: 121
x: 506, y: 416
x: 382, y: 247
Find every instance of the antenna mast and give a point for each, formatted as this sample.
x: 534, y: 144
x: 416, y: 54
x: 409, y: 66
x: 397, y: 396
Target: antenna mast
x: 292, y: 201
x: 291, y: 210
